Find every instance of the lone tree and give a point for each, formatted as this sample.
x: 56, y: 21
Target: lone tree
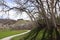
x: 47, y: 16
x: 48, y: 10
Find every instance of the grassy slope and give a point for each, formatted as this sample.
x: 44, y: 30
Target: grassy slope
x: 9, y: 33
x: 21, y: 37
x: 39, y: 36
x: 18, y: 37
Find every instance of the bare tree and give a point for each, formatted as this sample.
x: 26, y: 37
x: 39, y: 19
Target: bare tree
x: 47, y: 11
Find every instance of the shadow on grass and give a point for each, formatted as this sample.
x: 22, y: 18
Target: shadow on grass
x: 48, y: 34
x: 52, y: 34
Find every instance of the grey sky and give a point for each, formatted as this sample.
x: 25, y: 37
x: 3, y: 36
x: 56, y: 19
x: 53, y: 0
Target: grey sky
x: 12, y: 14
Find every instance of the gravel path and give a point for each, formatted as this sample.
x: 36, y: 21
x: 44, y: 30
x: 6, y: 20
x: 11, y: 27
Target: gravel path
x: 9, y: 38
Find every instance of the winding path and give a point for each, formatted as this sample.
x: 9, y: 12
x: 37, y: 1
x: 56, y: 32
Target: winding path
x: 9, y: 38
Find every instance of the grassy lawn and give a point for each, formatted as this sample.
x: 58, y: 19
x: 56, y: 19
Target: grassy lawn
x: 39, y: 36
x: 18, y: 37
x: 22, y: 36
x: 10, y: 32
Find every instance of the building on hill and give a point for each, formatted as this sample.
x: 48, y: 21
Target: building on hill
x: 20, y: 19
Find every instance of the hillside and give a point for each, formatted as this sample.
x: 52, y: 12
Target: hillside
x: 21, y: 22
x: 7, y: 21
x: 13, y: 24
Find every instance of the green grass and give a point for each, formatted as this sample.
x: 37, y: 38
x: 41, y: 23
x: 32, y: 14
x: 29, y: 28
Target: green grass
x: 10, y: 32
x: 22, y: 36
x: 18, y: 37
x: 39, y: 36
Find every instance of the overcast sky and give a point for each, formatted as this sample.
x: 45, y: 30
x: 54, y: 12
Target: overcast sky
x: 12, y: 14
